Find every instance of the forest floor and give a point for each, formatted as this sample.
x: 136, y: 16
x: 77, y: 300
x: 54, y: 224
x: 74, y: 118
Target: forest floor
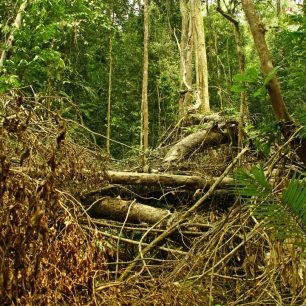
x: 206, y: 247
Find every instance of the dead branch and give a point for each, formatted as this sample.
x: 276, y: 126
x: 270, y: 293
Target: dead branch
x: 116, y: 209
x: 179, y: 151
x: 130, y: 241
x: 164, y: 179
x: 175, y: 225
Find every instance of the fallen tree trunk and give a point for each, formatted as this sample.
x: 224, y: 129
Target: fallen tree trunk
x: 179, y: 151
x: 174, y: 226
x: 131, y: 211
x: 162, y: 179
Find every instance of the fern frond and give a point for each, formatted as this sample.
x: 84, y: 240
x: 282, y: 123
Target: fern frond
x: 294, y: 198
x: 285, y: 216
x: 253, y: 184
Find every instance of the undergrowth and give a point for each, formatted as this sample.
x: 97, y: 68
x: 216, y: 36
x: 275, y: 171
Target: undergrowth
x: 45, y: 256
x: 53, y: 253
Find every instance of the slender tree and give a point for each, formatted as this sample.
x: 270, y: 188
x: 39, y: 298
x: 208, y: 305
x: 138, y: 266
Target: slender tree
x: 241, y: 60
x: 188, y: 64
x: 278, y: 7
x: 110, y: 53
x: 273, y: 86
x: 144, y: 102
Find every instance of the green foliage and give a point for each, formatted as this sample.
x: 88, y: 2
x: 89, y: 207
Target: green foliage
x: 63, y: 47
x: 253, y: 183
x: 284, y: 214
x: 264, y: 135
x: 7, y: 82
x: 252, y: 82
x: 301, y: 120
x: 288, y: 46
x: 295, y: 199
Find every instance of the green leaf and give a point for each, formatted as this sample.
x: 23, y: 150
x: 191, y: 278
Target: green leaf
x: 250, y: 76
x: 295, y: 198
x: 238, y: 88
x: 259, y: 92
x: 285, y: 217
x: 270, y: 75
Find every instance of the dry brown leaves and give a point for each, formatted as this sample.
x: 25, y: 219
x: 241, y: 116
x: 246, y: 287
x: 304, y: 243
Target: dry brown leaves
x: 45, y: 256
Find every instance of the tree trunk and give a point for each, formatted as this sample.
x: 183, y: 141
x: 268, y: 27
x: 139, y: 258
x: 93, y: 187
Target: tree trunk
x: 144, y: 103
x: 241, y: 61
x: 164, y: 179
x: 16, y: 25
x: 278, y: 7
x: 195, y: 140
x: 200, y: 56
x: 185, y: 59
x: 183, y: 55
x: 188, y: 66
x: 279, y: 108
x: 109, y: 81
x: 258, y: 32
x: 119, y: 210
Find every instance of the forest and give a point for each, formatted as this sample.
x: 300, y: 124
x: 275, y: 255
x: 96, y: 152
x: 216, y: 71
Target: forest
x: 152, y: 152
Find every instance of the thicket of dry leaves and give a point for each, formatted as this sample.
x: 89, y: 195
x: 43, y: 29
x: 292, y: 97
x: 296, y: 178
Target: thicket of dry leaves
x: 45, y: 258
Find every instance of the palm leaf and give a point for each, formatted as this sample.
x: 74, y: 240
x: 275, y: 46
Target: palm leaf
x: 285, y: 214
x: 253, y: 184
x: 294, y: 197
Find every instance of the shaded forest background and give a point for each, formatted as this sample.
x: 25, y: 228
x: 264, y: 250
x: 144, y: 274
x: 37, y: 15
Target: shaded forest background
x: 62, y: 49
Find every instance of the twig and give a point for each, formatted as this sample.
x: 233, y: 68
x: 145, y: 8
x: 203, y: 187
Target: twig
x: 198, y: 277
x: 141, y: 241
x: 169, y: 250
x: 120, y: 233
x: 114, y: 224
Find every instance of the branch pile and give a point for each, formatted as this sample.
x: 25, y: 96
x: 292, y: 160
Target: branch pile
x: 58, y: 246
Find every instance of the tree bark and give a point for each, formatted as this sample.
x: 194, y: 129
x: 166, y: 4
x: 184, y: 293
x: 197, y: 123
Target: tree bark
x: 119, y: 210
x: 200, y: 56
x: 278, y: 7
x: 186, y: 49
x: 162, y: 179
x: 279, y: 107
x: 145, y: 108
x: 188, y: 68
x: 183, y: 54
x: 111, y: 15
x: 258, y: 32
x: 241, y: 61
x: 16, y: 25
x: 195, y: 140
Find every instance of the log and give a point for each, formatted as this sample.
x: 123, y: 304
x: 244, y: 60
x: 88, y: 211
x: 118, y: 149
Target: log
x: 118, y: 209
x: 164, y: 179
x: 197, y: 118
x: 179, y: 151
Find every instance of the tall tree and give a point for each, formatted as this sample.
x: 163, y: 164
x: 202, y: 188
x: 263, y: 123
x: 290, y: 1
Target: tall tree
x: 229, y: 15
x: 144, y: 100
x: 186, y: 47
x: 200, y: 55
x: 110, y: 54
x: 273, y: 86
